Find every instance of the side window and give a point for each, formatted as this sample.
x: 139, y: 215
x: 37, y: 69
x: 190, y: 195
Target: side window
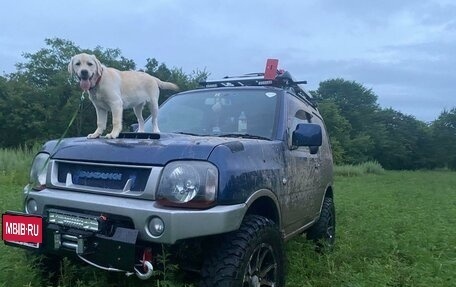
x: 298, y: 113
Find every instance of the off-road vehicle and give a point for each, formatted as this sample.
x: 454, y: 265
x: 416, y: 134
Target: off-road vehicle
x: 240, y: 166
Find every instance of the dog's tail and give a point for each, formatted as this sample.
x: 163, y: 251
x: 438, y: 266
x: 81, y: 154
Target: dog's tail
x: 168, y: 86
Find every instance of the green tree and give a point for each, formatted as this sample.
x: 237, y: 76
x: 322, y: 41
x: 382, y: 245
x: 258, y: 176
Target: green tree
x: 45, y: 72
x: 357, y: 103
x: 338, y: 129
x: 44, y: 96
x: 39, y: 99
x: 174, y: 75
x: 357, y: 106
x: 406, y: 144
x: 444, y: 139
x: 22, y: 113
x: 360, y: 130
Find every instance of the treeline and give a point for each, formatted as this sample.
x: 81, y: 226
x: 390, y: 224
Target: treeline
x: 360, y: 130
x: 39, y: 99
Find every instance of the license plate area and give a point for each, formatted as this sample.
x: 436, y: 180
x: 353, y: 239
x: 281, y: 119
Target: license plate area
x: 22, y: 229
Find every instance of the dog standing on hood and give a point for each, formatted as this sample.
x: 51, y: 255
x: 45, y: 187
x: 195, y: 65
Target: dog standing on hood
x: 113, y: 90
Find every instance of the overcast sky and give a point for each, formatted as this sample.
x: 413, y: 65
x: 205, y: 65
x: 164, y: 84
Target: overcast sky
x: 404, y: 50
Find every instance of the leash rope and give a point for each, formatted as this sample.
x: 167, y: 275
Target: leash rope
x: 73, y: 118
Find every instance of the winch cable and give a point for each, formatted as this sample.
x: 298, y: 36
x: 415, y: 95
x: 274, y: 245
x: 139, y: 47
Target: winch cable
x: 104, y: 268
x: 139, y: 274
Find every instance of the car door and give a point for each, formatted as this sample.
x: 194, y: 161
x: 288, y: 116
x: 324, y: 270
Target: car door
x: 301, y: 203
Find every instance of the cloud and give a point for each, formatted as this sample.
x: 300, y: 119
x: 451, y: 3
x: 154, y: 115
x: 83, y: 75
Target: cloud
x: 403, y: 50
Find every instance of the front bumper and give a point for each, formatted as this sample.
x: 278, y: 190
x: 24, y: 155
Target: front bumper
x: 178, y: 223
x: 118, y: 252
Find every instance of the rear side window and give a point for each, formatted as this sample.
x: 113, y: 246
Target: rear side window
x: 298, y: 112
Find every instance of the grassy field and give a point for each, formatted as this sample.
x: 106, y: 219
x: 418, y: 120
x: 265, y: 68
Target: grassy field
x: 393, y: 229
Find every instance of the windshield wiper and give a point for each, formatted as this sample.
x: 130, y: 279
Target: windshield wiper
x: 247, y: 136
x: 189, y: 134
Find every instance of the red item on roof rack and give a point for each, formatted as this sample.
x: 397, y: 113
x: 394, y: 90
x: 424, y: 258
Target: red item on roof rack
x: 270, y: 71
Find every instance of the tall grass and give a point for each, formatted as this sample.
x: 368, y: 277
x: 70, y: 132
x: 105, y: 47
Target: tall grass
x: 370, y: 167
x: 16, y: 163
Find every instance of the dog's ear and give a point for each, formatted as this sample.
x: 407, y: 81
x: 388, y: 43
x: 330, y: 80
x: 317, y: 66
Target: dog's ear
x: 70, y: 66
x: 99, y: 66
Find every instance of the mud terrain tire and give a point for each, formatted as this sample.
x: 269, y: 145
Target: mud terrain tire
x: 253, y: 255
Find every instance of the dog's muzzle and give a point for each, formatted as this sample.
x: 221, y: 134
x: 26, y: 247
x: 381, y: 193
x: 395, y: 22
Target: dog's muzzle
x: 85, y: 81
x: 84, y: 75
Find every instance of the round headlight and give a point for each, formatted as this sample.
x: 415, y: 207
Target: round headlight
x: 38, y: 171
x: 188, y: 184
x: 184, y: 182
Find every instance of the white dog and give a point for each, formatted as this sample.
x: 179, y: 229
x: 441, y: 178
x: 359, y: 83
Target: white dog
x: 113, y: 90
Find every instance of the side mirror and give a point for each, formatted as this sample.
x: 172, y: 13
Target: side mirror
x: 308, y: 135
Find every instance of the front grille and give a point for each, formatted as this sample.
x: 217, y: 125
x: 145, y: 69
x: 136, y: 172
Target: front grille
x: 110, y: 177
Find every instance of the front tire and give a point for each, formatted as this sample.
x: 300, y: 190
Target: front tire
x: 251, y: 256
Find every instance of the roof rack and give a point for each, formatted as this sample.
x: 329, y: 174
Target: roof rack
x: 282, y: 79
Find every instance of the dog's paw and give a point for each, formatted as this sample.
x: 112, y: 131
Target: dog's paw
x: 93, y: 136
x: 112, y: 135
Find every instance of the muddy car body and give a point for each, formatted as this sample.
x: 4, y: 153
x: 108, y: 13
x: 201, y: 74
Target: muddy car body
x: 239, y: 166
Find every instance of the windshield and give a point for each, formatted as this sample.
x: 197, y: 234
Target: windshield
x: 219, y: 113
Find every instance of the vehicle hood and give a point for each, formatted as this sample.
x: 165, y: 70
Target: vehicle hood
x: 135, y: 151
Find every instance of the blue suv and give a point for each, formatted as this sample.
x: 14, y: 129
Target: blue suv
x: 240, y: 166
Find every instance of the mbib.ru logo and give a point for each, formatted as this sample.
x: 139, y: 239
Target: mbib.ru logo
x: 22, y: 228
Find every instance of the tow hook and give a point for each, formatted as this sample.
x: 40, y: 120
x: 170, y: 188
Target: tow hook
x: 148, y: 268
